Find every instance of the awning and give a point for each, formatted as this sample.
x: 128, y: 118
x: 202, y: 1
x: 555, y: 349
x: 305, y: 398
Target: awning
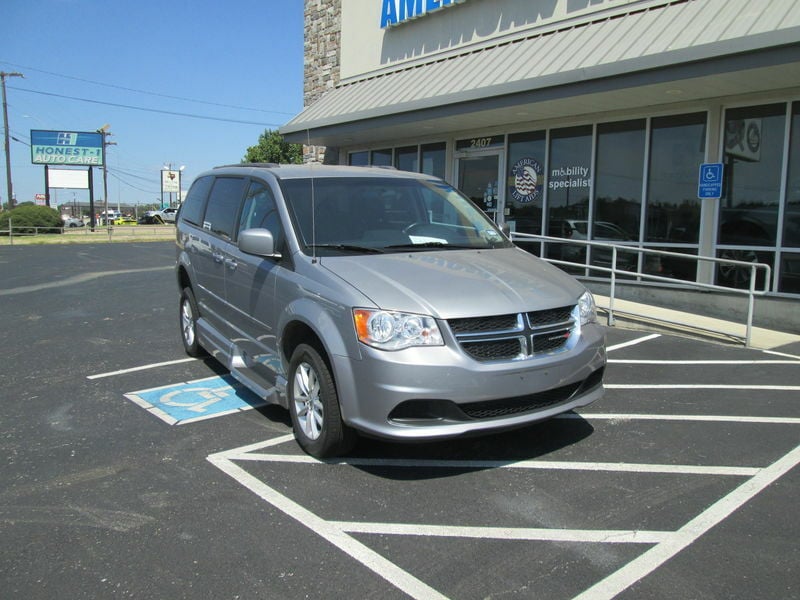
x: 706, y: 44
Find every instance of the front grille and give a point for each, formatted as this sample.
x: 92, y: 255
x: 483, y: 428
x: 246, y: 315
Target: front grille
x: 514, y: 336
x: 519, y: 405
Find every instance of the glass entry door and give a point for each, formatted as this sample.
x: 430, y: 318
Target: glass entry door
x: 478, y: 176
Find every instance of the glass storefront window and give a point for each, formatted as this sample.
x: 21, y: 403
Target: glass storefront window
x: 618, y: 179
x: 569, y: 176
x: 433, y: 159
x: 791, y: 219
x: 525, y: 183
x: 407, y: 159
x: 677, y: 149
x: 790, y: 273
x: 754, y: 139
x: 381, y: 158
x: 358, y: 159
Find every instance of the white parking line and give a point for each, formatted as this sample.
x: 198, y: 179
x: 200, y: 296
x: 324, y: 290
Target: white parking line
x: 611, y: 536
x: 549, y: 465
x: 706, y: 418
x: 624, y: 361
x: 140, y: 368
x: 640, y: 340
x: 698, y: 386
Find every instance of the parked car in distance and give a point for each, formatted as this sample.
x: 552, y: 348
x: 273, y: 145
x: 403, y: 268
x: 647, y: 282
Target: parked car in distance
x: 73, y: 222
x: 168, y: 214
x: 378, y: 301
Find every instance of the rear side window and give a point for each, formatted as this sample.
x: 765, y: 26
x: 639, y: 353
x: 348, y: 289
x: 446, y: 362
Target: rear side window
x: 195, y: 202
x: 223, y: 206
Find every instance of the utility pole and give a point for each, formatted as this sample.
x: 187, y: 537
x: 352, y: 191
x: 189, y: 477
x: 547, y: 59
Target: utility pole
x: 9, y: 189
x: 104, y: 130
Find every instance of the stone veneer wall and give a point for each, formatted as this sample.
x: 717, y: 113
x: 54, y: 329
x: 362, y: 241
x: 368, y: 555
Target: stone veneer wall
x: 323, y: 28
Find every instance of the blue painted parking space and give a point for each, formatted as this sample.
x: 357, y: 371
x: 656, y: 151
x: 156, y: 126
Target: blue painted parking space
x: 192, y: 401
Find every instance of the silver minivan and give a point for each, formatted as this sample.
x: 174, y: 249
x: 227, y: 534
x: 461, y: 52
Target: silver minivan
x: 378, y: 301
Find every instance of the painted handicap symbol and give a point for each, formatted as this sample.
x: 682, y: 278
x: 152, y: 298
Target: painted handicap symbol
x: 207, y: 397
x: 196, y: 400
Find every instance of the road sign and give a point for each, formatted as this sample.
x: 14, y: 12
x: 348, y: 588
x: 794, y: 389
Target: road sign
x: 709, y: 184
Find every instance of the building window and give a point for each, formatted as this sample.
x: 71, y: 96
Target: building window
x: 433, y: 159
x: 407, y: 159
x: 569, y: 177
x: 618, y: 180
x: 358, y: 159
x: 677, y: 149
x: 753, y: 158
x: 791, y: 218
x: 381, y: 158
x: 525, y: 184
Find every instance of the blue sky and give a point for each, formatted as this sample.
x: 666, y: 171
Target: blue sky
x: 239, y: 64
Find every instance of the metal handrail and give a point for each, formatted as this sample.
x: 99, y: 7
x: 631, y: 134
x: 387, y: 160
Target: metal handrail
x: 751, y: 293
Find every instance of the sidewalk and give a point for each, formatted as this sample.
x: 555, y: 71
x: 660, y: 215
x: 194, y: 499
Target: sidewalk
x: 633, y: 313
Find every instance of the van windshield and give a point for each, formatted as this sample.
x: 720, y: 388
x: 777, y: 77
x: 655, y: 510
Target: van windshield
x: 372, y: 214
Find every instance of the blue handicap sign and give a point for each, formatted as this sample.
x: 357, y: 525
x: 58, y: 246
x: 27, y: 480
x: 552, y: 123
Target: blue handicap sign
x: 709, y: 184
x: 196, y: 400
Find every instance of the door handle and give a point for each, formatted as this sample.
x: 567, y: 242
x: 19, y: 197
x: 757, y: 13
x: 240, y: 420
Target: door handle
x: 217, y: 257
x: 231, y: 263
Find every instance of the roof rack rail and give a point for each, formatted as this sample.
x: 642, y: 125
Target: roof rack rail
x: 253, y: 164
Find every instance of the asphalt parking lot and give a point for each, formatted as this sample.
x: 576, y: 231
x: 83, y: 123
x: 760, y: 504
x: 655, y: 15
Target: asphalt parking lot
x: 132, y: 471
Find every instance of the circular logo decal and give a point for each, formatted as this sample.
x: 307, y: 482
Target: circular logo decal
x: 527, y: 174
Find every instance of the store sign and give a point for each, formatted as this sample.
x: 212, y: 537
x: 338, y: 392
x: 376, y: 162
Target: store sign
x: 743, y: 139
x: 66, y: 148
x: 526, y: 185
x: 571, y: 177
x: 170, y: 181
x: 394, y: 12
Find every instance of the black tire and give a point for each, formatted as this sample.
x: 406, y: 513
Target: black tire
x: 314, y: 406
x: 188, y: 323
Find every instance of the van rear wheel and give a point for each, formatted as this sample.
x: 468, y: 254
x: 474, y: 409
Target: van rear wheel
x: 314, y: 406
x: 188, y: 320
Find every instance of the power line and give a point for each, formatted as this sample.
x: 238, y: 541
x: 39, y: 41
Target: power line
x: 141, y: 108
x: 160, y: 95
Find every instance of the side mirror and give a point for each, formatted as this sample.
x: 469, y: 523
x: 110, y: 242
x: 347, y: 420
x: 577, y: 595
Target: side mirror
x: 258, y: 242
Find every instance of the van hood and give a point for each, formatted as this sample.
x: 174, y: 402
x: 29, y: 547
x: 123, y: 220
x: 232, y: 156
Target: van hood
x: 453, y: 284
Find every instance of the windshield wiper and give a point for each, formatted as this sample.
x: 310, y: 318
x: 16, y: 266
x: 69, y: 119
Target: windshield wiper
x: 348, y: 248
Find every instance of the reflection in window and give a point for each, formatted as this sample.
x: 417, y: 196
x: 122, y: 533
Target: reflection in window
x: 618, y: 183
x: 791, y: 219
x: 433, y: 159
x: 790, y: 274
x: 381, y: 158
x: 358, y: 159
x: 525, y: 193
x: 677, y: 149
x: 753, y: 157
x: 260, y: 212
x: 407, y: 159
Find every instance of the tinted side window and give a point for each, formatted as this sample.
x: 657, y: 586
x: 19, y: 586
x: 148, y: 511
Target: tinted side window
x: 223, y: 206
x: 195, y: 202
x: 260, y: 211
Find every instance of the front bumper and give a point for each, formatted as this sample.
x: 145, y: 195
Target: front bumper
x: 439, y: 392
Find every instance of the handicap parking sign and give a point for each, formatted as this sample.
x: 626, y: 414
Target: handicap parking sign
x: 196, y: 400
x: 710, y: 181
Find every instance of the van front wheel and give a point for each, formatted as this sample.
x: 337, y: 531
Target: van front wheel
x: 314, y: 406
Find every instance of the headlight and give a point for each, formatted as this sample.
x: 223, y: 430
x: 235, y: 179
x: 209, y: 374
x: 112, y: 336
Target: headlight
x: 395, y: 330
x: 587, y: 311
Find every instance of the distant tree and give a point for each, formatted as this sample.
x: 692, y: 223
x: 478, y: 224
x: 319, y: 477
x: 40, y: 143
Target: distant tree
x: 272, y: 148
x: 27, y: 216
